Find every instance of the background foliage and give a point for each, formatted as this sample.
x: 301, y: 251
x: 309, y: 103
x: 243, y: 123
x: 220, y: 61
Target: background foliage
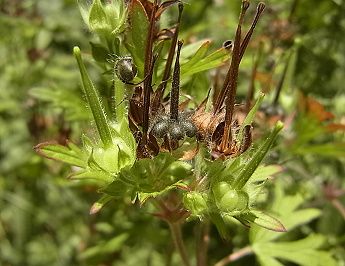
x: 44, y: 219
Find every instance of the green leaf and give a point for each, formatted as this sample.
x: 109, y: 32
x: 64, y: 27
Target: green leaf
x: 136, y: 34
x: 328, y: 149
x: 258, y: 180
x: 285, y: 208
x: 94, y: 102
x: 66, y: 99
x: 199, y: 55
x: 71, y: 155
x: 262, y: 173
x: 250, y: 167
x: 268, y: 260
x: 199, y: 62
x: 302, y: 252
x: 107, y: 247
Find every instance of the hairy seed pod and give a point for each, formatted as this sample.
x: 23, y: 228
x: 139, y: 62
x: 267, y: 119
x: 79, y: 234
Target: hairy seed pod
x: 160, y: 128
x: 195, y: 202
x: 225, y: 196
x: 242, y: 202
x: 176, y: 131
x: 188, y: 127
x: 125, y: 69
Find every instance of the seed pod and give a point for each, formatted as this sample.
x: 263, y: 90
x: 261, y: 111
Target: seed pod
x: 125, y: 69
x: 176, y: 131
x: 188, y: 127
x: 225, y: 196
x: 195, y: 202
x: 242, y: 202
x: 160, y: 128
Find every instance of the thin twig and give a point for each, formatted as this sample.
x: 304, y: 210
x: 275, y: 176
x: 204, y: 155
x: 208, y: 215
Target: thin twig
x: 235, y: 256
x: 175, y: 228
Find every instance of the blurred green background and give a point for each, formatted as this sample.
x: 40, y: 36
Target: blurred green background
x: 44, y: 218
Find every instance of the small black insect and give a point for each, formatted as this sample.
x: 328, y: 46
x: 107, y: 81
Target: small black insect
x: 125, y: 69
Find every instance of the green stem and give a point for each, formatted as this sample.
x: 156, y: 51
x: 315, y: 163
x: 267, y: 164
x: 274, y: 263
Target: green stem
x: 175, y: 228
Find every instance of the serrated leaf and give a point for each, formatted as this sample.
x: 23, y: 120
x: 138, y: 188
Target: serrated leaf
x: 284, y: 207
x: 302, y: 252
x: 74, y: 156
x: 136, y: 34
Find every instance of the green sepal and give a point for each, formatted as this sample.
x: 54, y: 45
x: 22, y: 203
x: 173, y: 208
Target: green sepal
x: 151, y: 177
x: 99, y: 204
x: 94, y: 102
x: 98, y: 21
x: 71, y: 154
x: 100, y: 178
x: 261, y: 219
x: 250, y: 167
